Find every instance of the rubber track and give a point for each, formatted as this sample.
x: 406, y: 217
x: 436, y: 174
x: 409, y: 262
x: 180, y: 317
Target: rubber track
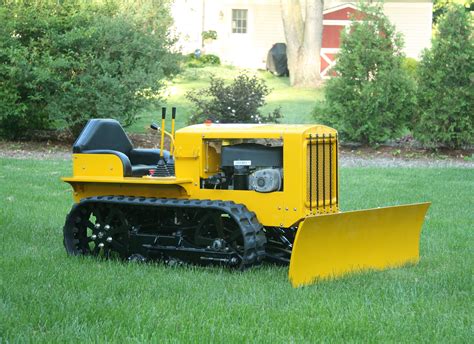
x: 251, y: 228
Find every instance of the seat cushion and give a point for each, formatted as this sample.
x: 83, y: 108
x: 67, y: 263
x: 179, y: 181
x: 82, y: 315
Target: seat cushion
x: 106, y: 136
x: 101, y: 134
x: 139, y: 156
x: 141, y: 170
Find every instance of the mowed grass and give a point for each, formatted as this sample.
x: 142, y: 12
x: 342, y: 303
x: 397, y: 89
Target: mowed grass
x: 296, y: 103
x: 46, y: 296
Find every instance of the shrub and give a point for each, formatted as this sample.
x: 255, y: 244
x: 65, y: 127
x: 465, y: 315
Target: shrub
x: 191, y: 61
x: 238, y: 102
x: 210, y: 59
x: 62, y: 63
x: 410, y: 65
x: 440, y: 7
x: 371, y: 97
x: 194, y: 64
x: 446, y: 84
x: 209, y: 35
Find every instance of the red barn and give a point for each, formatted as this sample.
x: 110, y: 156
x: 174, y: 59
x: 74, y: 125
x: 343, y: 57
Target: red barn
x: 335, y: 20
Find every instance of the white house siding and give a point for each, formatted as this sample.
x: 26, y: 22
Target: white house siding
x: 265, y: 27
x: 187, y: 16
x: 413, y: 20
x: 268, y: 24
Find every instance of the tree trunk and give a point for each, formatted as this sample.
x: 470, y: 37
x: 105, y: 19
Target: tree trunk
x: 303, y: 41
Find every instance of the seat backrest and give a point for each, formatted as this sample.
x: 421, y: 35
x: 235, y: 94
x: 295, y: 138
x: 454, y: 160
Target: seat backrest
x: 102, y: 134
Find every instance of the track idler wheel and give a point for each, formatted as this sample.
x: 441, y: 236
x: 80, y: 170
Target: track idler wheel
x: 96, y: 230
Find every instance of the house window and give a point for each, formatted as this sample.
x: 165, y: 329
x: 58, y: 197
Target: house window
x: 239, y: 21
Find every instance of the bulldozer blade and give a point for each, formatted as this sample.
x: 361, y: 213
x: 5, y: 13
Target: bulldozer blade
x: 333, y: 245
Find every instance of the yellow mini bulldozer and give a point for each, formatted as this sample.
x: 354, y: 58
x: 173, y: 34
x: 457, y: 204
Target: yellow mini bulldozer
x: 233, y: 195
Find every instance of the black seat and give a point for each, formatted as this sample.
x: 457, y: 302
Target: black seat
x: 106, y: 136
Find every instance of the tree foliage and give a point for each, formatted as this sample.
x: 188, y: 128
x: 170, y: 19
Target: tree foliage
x: 238, y: 102
x: 63, y: 62
x: 372, y: 97
x: 441, y: 6
x: 446, y: 83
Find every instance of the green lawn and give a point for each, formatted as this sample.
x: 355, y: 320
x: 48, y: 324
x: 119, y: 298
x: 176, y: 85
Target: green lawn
x: 296, y: 103
x: 46, y: 296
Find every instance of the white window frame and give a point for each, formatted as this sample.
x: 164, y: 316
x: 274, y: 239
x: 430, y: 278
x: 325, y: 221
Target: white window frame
x: 243, y: 17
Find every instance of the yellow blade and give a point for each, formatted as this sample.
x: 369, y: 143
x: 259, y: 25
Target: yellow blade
x: 329, y: 246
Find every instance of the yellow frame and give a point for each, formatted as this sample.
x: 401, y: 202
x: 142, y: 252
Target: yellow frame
x: 102, y: 174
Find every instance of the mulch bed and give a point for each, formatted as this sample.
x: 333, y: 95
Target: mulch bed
x: 404, y: 151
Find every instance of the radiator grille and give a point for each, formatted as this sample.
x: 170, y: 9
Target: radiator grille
x: 322, y: 174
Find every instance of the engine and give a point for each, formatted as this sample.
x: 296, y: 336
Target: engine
x: 249, y: 166
x: 266, y: 180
